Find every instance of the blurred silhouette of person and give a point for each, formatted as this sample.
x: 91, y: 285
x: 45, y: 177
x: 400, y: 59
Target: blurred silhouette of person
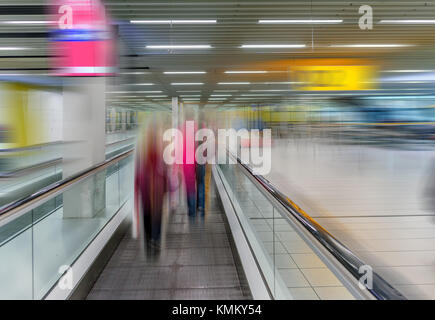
x: 189, y: 164
x: 200, y: 174
x: 193, y: 172
x: 150, y: 184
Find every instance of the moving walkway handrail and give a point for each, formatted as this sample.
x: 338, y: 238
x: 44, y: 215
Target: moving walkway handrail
x: 120, y: 141
x: 30, y: 169
x: 381, y: 289
x: 10, y: 209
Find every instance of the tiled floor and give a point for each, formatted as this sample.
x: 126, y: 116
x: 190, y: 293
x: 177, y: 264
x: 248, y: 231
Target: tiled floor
x: 196, y: 262
x: 370, y: 198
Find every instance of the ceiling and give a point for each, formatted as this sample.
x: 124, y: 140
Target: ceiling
x: 236, y: 25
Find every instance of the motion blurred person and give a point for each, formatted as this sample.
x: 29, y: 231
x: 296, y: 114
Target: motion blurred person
x: 189, y: 162
x: 193, y: 172
x: 200, y: 175
x: 150, y: 183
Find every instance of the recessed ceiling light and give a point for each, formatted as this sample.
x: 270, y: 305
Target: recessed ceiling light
x: 235, y: 83
x: 136, y: 72
x: 242, y: 72
x: 181, y: 46
x: 142, y: 84
x: 184, y: 72
x: 299, y: 21
x: 195, y: 21
x: 276, y: 82
x: 267, y: 46
x: 11, y: 48
x: 28, y: 22
x: 409, y: 71
x: 187, y: 83
x: 408, y: 21
x: 369, y: 45
x: 269, y: 90
x: 258, y: 94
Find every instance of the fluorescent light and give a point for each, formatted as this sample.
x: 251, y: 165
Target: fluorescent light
x: 270, y: 90
x: 267, y: 46
x: 220, y: 95
x: 142, y: 84
x: 161, y: 96
x: 184, y: 72
x: 310, y: 21
x: 409, y: 71
x: 154, y: 91
x: 187, y: 83
x: 226, y: 90
x: 245, y: 72
x: 408, y: 21
x: 28, y: 22
x: 183, y: 46
x: 278, y: 82
x: 151, y: 21
x: 236, y: 83
x: 144, y: 91
x: 369, y: 45
x: 11, y: 48
x: 258, y: 94
x: 190, y: 95
x: 193, y: 21
x: 188, y: 90
x: 203, y: 21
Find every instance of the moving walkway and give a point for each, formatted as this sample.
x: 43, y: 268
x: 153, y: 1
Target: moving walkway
x: 252, y: 243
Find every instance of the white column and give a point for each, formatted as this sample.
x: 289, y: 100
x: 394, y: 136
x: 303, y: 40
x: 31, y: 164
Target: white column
x: 176, y: 121
x: 175, y: 113
x: 84, y: 134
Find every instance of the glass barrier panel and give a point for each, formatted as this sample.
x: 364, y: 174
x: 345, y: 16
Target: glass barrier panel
x: 41, y: 243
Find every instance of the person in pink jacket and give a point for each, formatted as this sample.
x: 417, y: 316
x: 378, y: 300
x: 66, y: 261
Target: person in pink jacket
x: 194, y: 173
x: 189, y: 164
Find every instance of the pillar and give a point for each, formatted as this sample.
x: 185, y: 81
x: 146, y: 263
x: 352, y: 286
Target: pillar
x: 84, y: 134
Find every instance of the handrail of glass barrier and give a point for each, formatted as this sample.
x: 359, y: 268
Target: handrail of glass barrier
x: 30, y: 169
x: 380, y: 289
x: 120, y: 141
x: 53, y: 189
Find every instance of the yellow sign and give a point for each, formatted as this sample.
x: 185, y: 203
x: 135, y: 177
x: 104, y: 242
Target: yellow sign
x: 333, y: 77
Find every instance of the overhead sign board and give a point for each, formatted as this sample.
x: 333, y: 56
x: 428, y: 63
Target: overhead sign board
x: 332, y: 75
x: 82, y: 39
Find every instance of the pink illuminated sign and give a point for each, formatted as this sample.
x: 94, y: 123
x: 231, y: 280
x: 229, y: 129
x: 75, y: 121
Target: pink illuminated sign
x: 82, y: 39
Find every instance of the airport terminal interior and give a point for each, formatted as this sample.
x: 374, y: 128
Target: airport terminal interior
x: 217, y: 150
